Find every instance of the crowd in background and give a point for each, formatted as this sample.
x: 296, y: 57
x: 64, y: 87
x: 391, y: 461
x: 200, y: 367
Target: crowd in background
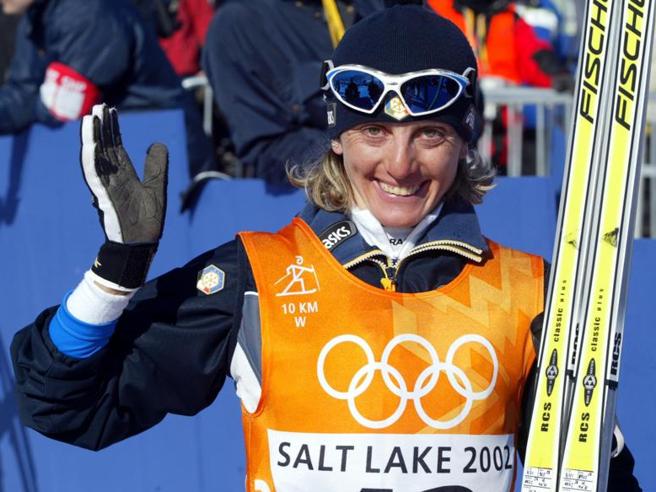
x: 262, y: 59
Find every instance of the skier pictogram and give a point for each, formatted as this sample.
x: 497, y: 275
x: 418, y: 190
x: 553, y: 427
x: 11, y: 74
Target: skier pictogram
x: 301, y: 280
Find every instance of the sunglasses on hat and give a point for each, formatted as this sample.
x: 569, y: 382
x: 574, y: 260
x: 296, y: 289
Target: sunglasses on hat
x: 424, y: 92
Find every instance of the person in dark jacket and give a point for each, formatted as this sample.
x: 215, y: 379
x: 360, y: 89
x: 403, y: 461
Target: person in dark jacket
x: 377, y: 342
x: 263, y: 59
x: 8, y: 25
x: 72, y: 54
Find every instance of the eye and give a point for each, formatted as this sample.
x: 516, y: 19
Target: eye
x: 433, y: 132
x: 372, y: 131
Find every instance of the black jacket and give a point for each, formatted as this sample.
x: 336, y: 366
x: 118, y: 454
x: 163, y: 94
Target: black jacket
x: 173, y: 345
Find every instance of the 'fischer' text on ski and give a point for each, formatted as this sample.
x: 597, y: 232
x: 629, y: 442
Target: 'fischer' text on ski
x: 593, y: 50
x: 629, y: 69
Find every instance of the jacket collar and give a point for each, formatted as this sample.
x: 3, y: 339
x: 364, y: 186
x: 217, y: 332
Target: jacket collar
x: 457, y: 222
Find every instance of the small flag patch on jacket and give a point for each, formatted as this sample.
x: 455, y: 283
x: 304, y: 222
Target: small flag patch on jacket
x: 210, y: 280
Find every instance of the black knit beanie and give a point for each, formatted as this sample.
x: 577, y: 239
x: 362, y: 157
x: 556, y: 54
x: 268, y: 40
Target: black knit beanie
x: 401, y: 39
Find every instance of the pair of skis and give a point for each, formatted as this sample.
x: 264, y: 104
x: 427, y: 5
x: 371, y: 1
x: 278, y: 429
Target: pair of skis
x: 571, y: 432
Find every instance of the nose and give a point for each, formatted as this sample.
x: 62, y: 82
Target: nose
x: 401, y: 159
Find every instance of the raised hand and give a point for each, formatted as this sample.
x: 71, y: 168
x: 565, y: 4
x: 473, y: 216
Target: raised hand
x: 131, y: 211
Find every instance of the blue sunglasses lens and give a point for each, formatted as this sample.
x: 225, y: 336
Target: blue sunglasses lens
x: 360, y: 89
x: 429, y: 92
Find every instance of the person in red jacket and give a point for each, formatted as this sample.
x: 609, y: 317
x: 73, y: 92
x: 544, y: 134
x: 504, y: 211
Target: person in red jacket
x: 184, y: 45
x: 507, y: 48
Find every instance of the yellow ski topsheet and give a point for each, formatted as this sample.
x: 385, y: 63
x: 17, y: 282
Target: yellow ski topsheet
x: 580, y: 468
x: 541, y: 461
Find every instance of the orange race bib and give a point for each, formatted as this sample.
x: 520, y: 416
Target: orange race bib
x: 364, y: 389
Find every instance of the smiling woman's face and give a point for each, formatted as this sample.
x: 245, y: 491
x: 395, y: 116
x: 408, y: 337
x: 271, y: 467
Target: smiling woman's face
x: 400, y: 171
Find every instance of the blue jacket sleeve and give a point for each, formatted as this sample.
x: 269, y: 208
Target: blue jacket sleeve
x: 69, y: 32
x: 91, y: 38
x: 20, y: 104
x: 74, y: 337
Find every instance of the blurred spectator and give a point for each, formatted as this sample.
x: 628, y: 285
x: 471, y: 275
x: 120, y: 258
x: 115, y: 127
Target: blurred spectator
x: 181, y: 27
x: 508, y: 48
x: 8, y: 24
x: 263, y: 59
x: 71, y: 54
x: 183, y: 46
x: 556, y: 22
x: 509, y: 52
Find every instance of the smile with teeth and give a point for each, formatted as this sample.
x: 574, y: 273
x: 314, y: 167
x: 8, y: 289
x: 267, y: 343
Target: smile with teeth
x: 399, y: 190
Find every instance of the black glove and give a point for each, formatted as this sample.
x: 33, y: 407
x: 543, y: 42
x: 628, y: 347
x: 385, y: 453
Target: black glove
x: 131, y: 212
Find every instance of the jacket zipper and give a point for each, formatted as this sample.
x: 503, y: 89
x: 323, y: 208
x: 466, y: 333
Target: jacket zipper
x: 390, y: 267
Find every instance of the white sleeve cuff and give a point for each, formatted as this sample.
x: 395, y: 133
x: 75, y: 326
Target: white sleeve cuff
x: 91, y: 304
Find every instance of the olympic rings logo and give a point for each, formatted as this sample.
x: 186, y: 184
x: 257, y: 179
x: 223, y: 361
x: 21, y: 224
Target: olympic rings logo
x: 394, y: 381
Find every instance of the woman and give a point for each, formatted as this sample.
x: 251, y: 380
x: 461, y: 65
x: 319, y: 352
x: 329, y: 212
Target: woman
x: 378, y: 342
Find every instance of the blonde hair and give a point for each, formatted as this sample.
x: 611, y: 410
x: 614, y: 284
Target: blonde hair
x: 327, y: 186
